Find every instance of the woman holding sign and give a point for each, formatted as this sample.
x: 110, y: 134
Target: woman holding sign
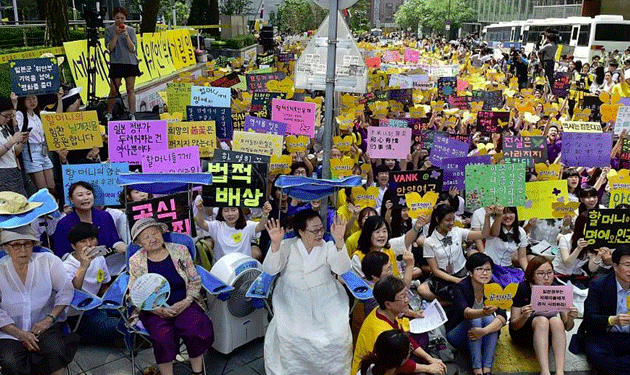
x: 183, y: 317
x: 473, y: 325
x: 12, y: 145
x: 121, y: 43
x: 533, y: 328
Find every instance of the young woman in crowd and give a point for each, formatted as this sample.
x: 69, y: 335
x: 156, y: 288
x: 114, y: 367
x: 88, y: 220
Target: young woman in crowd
x: 12, y: 145
x: 391, y: 349
x: 535, y: 329
x: 507, y: 246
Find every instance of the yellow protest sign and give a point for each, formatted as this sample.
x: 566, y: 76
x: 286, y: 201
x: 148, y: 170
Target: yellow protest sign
x: 421, y: 205
x: 539, y: 196
x: 499, y: 297
x: 343, y: 144
x: 296, y: 144
x: 341, y: 167
x: 562, y: 209
x: 156, y: 55
x: 547, y: 173
x: 72, y: 130
x: 280, y: 164
x: 193, y: 133
x: 256, y: 143
x: 182, y: 51
x: 365, y: 197
x: 582, y: 127
x: 619, y: 188
x: 178, y: 95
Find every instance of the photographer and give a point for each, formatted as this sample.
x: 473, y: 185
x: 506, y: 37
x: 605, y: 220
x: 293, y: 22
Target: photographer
x: 121, y: 43
x: 547, y: 54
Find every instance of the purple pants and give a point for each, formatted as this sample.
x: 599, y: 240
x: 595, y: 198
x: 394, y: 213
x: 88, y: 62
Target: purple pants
x: 192, y: 326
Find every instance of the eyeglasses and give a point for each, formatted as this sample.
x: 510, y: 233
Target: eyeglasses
x: 483, y: 270
x: 21, y: 246
x: 315, y: 231
x: 544, y: 274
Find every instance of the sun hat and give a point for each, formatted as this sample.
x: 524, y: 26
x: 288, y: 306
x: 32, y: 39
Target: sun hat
x: 24, y: 232
x: 14, y: 204
x: 145, y: 223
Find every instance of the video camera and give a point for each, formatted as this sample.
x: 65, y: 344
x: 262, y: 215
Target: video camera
x: 94, y: 19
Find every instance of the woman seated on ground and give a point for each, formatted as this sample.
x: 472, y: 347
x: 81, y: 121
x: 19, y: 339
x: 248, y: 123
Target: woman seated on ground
x: 375, y: 237
x: 184, y: 318
x: 81, y: 196
x: 507, y: 246
x: 391, y: 350
x: 87, y: 270
x: 576, y: 259
x: 472, y: 325
x: 31, y: 339
x: 535, y: 329
x: 393, y: 301
x: 444, y: 252
x: 231, y: 232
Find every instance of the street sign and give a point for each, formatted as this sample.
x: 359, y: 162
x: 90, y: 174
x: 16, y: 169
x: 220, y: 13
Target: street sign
x: 350, y: 70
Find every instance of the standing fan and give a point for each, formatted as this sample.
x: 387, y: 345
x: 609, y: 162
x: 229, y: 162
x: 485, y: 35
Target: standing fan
x: 238, y: 320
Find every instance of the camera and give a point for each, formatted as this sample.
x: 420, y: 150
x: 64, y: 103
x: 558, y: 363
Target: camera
x: 94, y: 19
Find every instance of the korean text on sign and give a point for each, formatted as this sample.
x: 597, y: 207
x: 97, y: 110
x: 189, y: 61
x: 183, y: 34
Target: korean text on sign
x: 72, y: 130
x: 128, y: 140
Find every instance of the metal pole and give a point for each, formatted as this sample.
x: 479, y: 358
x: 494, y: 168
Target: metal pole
x: 329, y: 104
x: 15, y: 12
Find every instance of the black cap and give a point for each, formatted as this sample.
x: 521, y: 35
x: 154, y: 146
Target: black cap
x: 5, y: 104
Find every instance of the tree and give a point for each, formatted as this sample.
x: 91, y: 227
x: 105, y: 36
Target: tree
x: 433, y: 14
x: 297, y: 16
x: 150, y: 9
x: 237, y: 7
x: 56, y: 23
x: 360, y: 16
x: 205, y: 12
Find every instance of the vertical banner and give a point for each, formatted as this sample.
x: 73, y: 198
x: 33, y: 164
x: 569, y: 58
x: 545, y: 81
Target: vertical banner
x: 129, y: 140
x: 172, y: 210
x: 102, y: 176
x: 236, y: 185
x: 72, y: 130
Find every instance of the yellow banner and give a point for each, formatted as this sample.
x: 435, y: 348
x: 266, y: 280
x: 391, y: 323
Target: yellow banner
x: 182, y: 51
x: 255, y: 143
x: 156, y: 55
x: 76, y: 53
x: 72, y: 130
x: 193, y: 133
x: 30, y: 54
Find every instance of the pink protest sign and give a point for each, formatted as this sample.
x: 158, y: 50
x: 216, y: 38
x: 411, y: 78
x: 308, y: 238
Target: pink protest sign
x: 176, y: 160
x: 461, y: 84
x: 391, y: 56
x: 129, y: 140
x: 299, y: 116
x: 411, y: 55
x: 388, y: 142
x: 552, y: 298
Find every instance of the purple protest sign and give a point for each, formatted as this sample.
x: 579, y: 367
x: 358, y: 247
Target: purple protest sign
x: 299, y: 116
x: 388, y: 143
x: 129, y: 140
x: 586, y: 149
x: 176, y: 160
x: 455, y: 170
x: 262, y: 125
x: 445, y: 147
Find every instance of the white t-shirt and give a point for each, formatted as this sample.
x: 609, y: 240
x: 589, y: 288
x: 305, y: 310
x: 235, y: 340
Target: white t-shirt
x: 558, y: 265
x: 501, y: 251
x: 230, y: 240
x: 450, y: 256
x: 95, y: 276
x: 35, y: 124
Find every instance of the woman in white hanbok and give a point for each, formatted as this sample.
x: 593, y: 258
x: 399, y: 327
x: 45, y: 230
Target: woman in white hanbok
x: 310, y: 329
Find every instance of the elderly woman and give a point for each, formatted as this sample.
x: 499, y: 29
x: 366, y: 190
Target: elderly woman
x: 310, y: 330
x: 183, y: 317
x: 34, y: 291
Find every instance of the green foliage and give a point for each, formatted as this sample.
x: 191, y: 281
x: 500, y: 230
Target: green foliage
x: 297, y: 16
x: 237, y: 7
x: 433, y: 14
x: 360, y: 16
x: 182, y: 12
x: 5, y: 81
x: 239, y: 42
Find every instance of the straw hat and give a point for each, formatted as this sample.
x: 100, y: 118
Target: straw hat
x: 143, y: 224
x: 14, y: 204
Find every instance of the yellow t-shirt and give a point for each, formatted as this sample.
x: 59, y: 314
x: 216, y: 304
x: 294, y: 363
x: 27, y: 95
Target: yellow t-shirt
x: 353, y: 242
x: 622, y: 88
x: 371, y: 328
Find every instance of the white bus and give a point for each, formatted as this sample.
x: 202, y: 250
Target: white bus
x: 582, y: 37
x: 503, y: 34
